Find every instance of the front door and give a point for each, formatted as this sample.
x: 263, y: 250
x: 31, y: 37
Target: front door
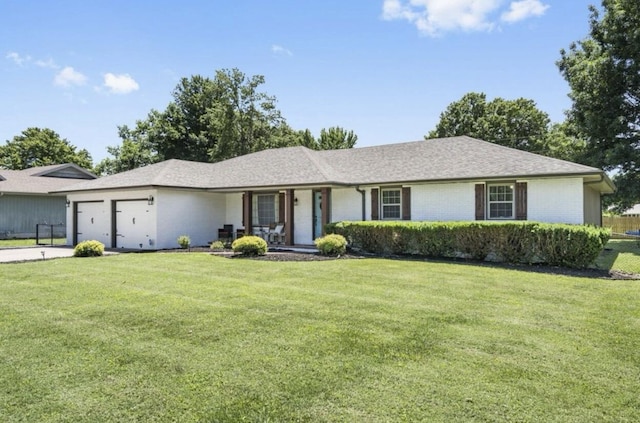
x: 317, y: 214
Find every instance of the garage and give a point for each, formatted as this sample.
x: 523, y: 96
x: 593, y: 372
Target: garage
x: 134, y: 225
x: 92, y: 222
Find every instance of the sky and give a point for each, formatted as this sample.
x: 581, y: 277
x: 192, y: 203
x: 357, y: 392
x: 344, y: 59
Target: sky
x: 385, y: 69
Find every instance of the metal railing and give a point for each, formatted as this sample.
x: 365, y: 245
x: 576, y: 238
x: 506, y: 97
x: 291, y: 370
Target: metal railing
x: 46, y: 234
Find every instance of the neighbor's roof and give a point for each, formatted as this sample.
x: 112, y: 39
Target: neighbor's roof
x: 42, y: 179
x: 635, y: 210
x: 443, y: 159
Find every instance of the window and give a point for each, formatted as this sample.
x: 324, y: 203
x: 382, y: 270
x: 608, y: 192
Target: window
x: 391, y: 204
x: 500, y: 201
x: 265, y: 209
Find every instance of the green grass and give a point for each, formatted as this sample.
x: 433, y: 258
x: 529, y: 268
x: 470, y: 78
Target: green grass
x: 12, y: 243
x: 194, y: 337
x: 621, y: 254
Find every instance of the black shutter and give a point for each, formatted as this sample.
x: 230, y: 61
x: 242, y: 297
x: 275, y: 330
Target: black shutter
x: 521, y: 201
x: 375, y: 208
x: 406, y: 203
x: 480, y: 202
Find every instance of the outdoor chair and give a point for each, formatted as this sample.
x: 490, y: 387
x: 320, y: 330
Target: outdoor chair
x: 276, y: 236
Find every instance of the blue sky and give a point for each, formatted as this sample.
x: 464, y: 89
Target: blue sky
x: 385, y: 69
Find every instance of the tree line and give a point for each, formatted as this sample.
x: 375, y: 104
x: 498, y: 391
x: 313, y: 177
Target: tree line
x: 213, y: 119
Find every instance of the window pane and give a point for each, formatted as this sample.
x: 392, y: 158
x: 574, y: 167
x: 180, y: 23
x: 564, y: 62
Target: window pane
x: 501, y: 210
x: 266, y: 209
x: 391, y: 201
x: 391, y: 196
x: 391, y: 212
x: 500, y: 202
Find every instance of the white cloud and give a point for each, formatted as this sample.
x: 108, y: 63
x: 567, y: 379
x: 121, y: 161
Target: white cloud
x: 49, y: 64
x: 279, y: 50
x: 68, y: 76
x: 120, y: 84
x: 17, y: 58
x: 520, y: 10
x: 434, y: 17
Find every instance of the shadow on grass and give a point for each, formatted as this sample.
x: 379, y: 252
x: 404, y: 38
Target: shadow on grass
x: 610, y: 258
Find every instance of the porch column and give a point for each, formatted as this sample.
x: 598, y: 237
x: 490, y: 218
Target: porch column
x: 247, y: 213
x: 289, y: 217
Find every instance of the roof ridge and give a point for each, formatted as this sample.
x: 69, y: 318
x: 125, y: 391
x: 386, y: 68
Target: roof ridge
x: 318, y: 161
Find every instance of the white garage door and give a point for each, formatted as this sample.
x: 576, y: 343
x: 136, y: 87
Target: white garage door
x: 134, y: 227
x: 92, y: 222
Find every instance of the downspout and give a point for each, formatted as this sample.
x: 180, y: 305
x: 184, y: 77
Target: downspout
x: 364, y: 202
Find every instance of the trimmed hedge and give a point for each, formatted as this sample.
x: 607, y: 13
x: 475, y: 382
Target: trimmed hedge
x: 575, y: 246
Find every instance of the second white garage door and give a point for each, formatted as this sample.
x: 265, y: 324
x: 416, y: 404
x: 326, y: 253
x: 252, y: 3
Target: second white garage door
x: 134, y: 225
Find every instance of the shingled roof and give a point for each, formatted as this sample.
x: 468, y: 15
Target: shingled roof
x: 42, y: 179
x: 443, y: 159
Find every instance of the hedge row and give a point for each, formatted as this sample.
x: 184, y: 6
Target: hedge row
x: 575, y: 246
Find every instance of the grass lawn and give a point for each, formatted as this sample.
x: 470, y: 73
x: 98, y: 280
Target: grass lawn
x: 621, y: 254
x: 12, y: 243
x: 194, y: 337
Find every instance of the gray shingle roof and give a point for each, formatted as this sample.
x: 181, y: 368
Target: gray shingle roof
x: 35, y: 180
x: 456, y: 158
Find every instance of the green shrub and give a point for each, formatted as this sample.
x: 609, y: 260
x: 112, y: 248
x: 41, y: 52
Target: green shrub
x: 88, y: 249
x: 575, y: 246
x: 216, y: 246
x: 184, y: 241
x: 250, y: 245
x: 331, y: 245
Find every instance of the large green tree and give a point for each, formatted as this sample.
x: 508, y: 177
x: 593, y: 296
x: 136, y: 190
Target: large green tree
x: 133, y: 153
x: 210, y: 120
x: 512, y: 123
x: 603, y: 72
x: 41, y: 147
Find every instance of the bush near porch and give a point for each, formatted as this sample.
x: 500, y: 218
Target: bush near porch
x: 574, y: 246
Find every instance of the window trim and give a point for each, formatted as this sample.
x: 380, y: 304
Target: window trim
x: 256, y: 208
x: 489, y: 202
x: 398, y: 204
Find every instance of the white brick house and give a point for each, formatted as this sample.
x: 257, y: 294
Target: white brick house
x: 459, y: 178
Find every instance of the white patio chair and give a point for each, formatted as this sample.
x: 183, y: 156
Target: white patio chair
x: 276, y: 235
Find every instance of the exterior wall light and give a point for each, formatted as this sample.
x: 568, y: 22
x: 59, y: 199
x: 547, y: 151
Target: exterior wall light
x: 150, y: 200
x: 68, y: 203
x: 295, y: 201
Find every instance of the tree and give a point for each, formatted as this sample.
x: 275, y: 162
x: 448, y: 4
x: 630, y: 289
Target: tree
x: 133, y: 153
x: 512, y: 123
x: 210, y: 120
x: 336, y: 138
x: 603, y: 72
x: 41, y: 147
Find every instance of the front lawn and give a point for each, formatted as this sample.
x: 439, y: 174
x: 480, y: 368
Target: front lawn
x: 194, y: 337
x: 622, y: 255
x: 30, y: 242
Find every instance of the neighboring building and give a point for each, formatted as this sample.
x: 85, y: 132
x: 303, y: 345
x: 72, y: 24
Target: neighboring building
x: 25, y: 200
x: 459, y: 178
x: 633, y: 211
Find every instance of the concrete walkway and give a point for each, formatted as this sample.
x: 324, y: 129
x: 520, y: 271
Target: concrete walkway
x: 9, y: 255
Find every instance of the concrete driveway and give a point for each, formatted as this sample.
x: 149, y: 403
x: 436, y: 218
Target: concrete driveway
x: 8, y: 255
